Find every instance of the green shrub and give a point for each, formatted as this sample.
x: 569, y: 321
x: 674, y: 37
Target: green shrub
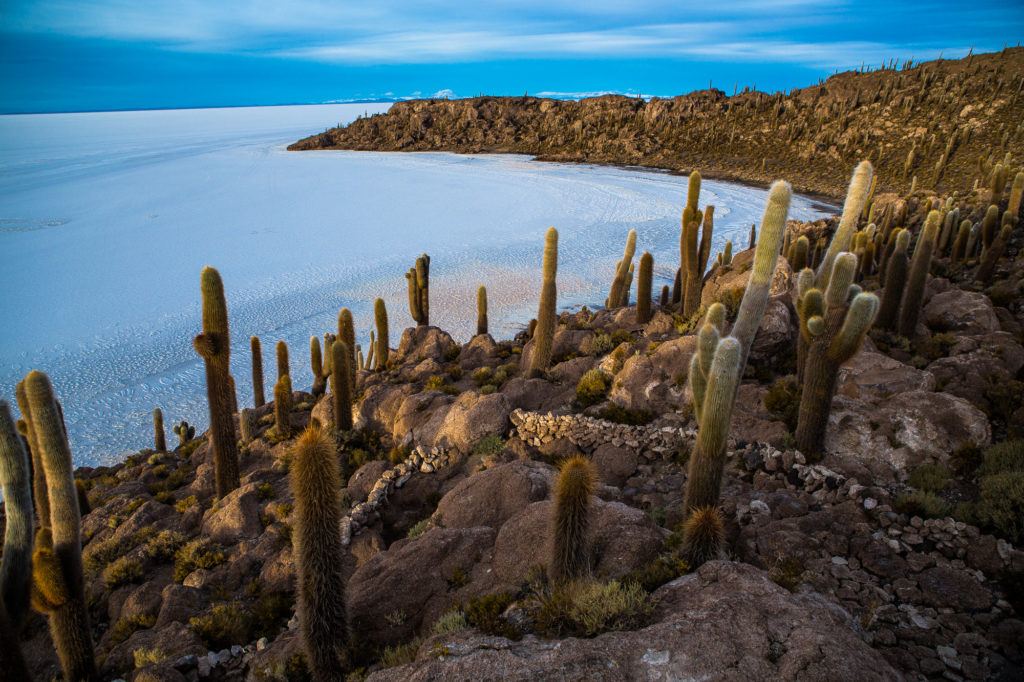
x: 662, y: 570
x: 144, y: 657
x: 601, y: 344
x: 185, y: 503
x: 489, y: 445
x: 419, y: 529
x: 438, y: 383
x: 227, y: 623
x: 587, y: 608
x: 121, y: 571
x: 485, y: 614
x: 488, y: 389
x: 126, y: 627
x: 164, y: 545
x: 931, y: 478
x: 483, y: 376
x: 620, y: 415
x: 265, y: 491
x: 449, y: 622
x: 1000, y: 505
x: 1005, y: 456
x: 200, y: 553
x: 400, y: 654
x: 788, y: 572
x: 924, y: 504
x: 783, y: 400
x: 592, y: 388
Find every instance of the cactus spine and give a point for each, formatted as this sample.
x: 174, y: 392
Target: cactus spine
x: 620, y: 288
x: 836, y: 328
x: 256, y: 349
x: 910, y: 305
x: 347, y: 333
x: 689, y: 247
x: 703, y: 534
x: 16, y: 484
x: 418, y: 279
x: 643, y: 288
x: 282, y: 359
x: 214, y: 346
x: 380, y: 314
x: 316, y: 483
x: 283, y: 407
x: 159, y: 435
x: 570, y: 550
x: 544, y: 334
x: 895, y: 279
x: 856, y: 197
x: 341, y: 388
x: 481, y: 310
x: 316, y: 364
x: 57, y: 561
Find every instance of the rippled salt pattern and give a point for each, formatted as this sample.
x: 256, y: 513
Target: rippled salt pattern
x: 107, y: 219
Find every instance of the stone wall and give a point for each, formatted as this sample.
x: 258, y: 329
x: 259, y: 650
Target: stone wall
x: 587, y: 433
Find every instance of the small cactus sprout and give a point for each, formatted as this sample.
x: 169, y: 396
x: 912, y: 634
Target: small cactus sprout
x: 703, y: 535
x: 214, y: 346
x: 418, y: 279
x: 836, y: 328
x: 316, y: 483
x: 895, y: 279
x: 316, y: 364
x: 570, y: 548
x: 347, y: 333
x: 481, y: 310
x: 380, y: 314
x: 619, y: 290
x: 643, y: 288
x: 257, y: 371
x: 159, y: 435
x: 283, y: 407
x: 185, y: 432
x: 16, y: 485
x: 57, y: 561
x: 341, y: 387
x: 856, y: 197
x: 913, y: 293
x: 547, y: 320
x: 282, y: 359
x: 689, y: 247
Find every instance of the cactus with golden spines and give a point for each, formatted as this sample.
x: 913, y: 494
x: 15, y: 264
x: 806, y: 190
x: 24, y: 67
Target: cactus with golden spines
x: 570, y: 544
x: 917, y: 278
x: 643, y: 288
x: 316, y: 364
x: 214, y: 346
x: 58, y: 587
x: 39, y: 492
x: 703, y: 535
x: 895, y: 279
x: 799, y: 252
x: 347, y: 333
x: 481, y: 310
x: 666, y: 296
x: 989, y: 225
x: 836, y: 326
x: 159, y: 435
x: 282, y: 359
x: 341, y: 386
x: 245, y: 424
x: 1016, y: 193
x: 418, y: 280
x: 993, y: 253
x: 256, y: 349
x: 380, y: 314
x: 185, y: 432
x: 544, y: 334
x: 283, y: 407
x: 856, y: 197
x: 958, y: 251
x: 316, y: 483
x: 689, y: 247
x: 620, y: 288
x: 16, y: 485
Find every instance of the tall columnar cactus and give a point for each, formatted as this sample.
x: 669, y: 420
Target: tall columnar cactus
x: 689, y: 247
x: 316, y: 484
x: 16, y: 485
x: 643, y: 288
x: 1016, y: 193
x: 214, y: 346
x: 57, y: 561
x: 666, y: 294
x: 856, y: 197
x: 481, y: 310
x: 316, y: 364
x: 752, y: 242
x: 380, y: 315
x: 895, y: 280
x: 993, y: 253
x: 283, y: 407
x: 989, y: 225
x: 282, y: 359
x: 570, y: 547
x: 341, y: 387
x: 258, y: 397
x: 837, y: 327
x: 245, y: 423
x: 40, y: 496
x: 347, y: 333
x: 418, y: 279
x: 766, y: 255
x: 619, y: 288
x: 544, y: 334
x: 159, y: 435
x: 913, y: 293
x: 799, y: 253
x: 958, y: 251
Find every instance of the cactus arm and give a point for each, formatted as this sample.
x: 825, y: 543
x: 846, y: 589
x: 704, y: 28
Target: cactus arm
x: 856, y: 197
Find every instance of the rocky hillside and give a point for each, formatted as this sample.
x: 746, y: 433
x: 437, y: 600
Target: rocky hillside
x: 946, y: 122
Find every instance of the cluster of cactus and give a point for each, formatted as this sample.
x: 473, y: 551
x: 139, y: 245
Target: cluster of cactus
x: 643, y: 288
x: 715, y: 372
x: 214, y: 347
x: 184, y: 431
x: 694, y: 251
x: 418, y: 280
x: 256, y: 349
x: 570, y: 548
x: 159, y: 435
x: 618, y: 296
x: 544, y: 334
x: 316, y: 483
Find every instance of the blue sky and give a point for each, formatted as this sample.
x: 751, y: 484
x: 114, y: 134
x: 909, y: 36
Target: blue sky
x: 76, y: 55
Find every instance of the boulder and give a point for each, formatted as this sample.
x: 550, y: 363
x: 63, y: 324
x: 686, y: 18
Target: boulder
x: 234, y: 517
x: 480, y: 351
x: 471, y: 417
x: 378, y: 407
x: 726, y: 621
x: 777, y: 331
x: 729, y: 283
x: 537, y: 395
x: 961, y: 312
x: 421, y: 343
x: 873, y: 377
x: 362, y: 481
x: 614, y: 464
x: 752, y: 422
x: 980, y: 369
x: 566, y: 344
x: 655, y: 381
x: 492, y: 497
x: 419, y: 418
